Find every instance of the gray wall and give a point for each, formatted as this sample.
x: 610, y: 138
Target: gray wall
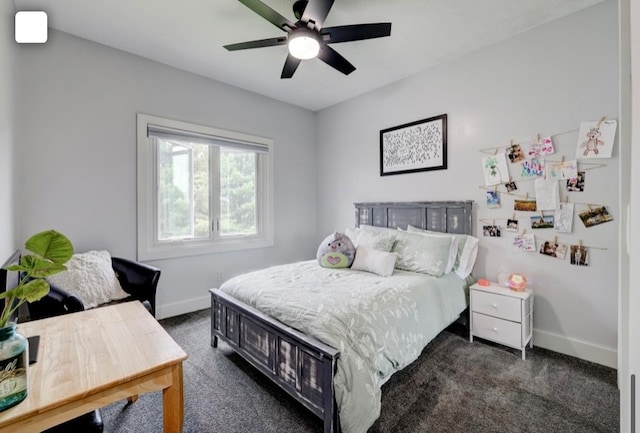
x: 544, y: 81
x: 7, y: 128
x: 77, y: 153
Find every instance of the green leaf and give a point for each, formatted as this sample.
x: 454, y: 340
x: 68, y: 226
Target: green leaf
x: 51, y: 245
x: 32, y: 291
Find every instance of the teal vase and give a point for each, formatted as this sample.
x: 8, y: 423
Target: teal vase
x: 13, y: 367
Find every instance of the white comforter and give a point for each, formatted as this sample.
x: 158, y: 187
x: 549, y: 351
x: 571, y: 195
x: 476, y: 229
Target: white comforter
x: 379, y: 324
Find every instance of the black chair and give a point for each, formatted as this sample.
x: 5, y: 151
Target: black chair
x: 137, y: 279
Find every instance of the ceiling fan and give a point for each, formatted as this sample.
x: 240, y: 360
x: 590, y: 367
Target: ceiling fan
x: 307, y: 38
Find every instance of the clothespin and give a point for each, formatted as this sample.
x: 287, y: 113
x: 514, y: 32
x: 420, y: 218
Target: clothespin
x: 495, y: 151
x: 555, y: 239
x: 513, y: 216
x: 566, y: 199
x: 562, y: 160
x: 580, y: 243
x: 526, y: 196
x: 600, y: 121
x: 589, y: 207
x: 538, y: 137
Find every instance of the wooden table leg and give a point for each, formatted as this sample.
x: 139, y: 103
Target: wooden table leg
x: 173, y: 402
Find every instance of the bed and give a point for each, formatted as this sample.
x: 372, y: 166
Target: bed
x: 315, y: 346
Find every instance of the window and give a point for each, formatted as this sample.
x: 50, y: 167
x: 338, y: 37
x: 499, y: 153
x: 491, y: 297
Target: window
x: 201, y: 189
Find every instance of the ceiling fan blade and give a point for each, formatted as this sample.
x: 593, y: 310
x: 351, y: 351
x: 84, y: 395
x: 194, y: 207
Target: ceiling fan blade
x: 290, y: 66
x: 257, y: 44
x: 317, y: 11
x: 332, y: 58
x: 355, y: 32
x: 268, y: 14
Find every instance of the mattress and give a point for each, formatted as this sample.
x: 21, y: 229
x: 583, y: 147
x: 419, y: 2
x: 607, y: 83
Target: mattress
x: 379, y: 324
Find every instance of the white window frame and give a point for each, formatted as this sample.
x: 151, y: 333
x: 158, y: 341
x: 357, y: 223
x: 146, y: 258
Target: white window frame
x: 149, y: 248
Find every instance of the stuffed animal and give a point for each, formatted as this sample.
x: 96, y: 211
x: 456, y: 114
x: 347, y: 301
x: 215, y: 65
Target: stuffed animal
x: 336, y: 251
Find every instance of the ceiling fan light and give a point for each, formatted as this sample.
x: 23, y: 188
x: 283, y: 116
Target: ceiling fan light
x: 304, y: 47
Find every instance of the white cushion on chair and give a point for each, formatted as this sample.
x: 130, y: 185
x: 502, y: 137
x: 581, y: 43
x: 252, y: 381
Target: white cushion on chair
x: 91, y: 278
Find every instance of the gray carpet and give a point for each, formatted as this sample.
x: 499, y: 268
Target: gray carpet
x: 455, y: 386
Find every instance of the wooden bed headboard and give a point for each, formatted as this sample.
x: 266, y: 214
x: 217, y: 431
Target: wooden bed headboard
x: 440, y: 216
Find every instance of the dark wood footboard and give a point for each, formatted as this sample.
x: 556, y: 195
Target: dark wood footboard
x: 301, y: 365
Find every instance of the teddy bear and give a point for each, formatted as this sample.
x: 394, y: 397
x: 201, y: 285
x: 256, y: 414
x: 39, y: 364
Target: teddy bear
x: 336, y: 251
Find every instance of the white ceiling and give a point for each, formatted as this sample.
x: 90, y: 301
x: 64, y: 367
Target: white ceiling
x: 189, y: 34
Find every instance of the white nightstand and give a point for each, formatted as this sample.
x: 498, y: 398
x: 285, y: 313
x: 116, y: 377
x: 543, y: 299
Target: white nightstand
x: 501, y: 315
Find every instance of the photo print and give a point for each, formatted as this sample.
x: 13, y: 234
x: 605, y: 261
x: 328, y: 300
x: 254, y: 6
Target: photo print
x: 564, y: 218
x: 562, y: 170
x: 579, y: 255
x: 514, y: 153
x: 524, y: 242
x: 577, y: 183
x: 512, y: 225
x: 553, y: 249
x: 595, y: 139
x: 540, y: 148
x: 493, y: 199
x: 532, y: 168
x: 525, y: 205
x: 511, y: 186
x: 495, y: 169
x: 593, y: 217
x: 491, y: 231
x: 542, y: 222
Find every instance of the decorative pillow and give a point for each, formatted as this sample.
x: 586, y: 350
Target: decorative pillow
x: 375, y: 261
x: 336, y: 251
x: 453, y: 253
x: 420, y: 253
x: 467, y: 250
x: 353, y: 235
x: 90, y: 277
x: 376, y: 239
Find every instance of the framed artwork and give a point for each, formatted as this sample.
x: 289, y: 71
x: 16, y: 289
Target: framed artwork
x: 415, y: 146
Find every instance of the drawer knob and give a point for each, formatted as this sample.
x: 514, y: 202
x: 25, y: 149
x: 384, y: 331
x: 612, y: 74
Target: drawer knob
x: 495, y: 329
x: 494, y: 305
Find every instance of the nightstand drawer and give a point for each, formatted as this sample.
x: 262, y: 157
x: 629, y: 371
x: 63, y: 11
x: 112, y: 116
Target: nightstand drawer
x: 501, y: 331
x: 504, y: 307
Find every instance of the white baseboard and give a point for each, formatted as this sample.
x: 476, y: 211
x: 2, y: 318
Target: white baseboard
x: 579, y: 349
x: 182, y: 307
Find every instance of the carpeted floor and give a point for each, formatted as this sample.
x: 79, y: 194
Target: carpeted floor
x: 455, y: 386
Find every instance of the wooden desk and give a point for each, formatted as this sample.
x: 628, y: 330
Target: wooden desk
x: 90, y: 359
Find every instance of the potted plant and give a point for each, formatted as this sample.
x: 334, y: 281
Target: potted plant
x: 50, y: 251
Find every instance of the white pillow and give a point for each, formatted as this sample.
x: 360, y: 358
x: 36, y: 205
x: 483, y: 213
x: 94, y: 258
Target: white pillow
x: 375, y: 261
x: 466, y: 254
x: 353, y: 234
x: 376, y: 239
x: 418, y: 252
x: 90, y: 277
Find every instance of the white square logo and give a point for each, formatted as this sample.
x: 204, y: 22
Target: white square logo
x: 31, y: 27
